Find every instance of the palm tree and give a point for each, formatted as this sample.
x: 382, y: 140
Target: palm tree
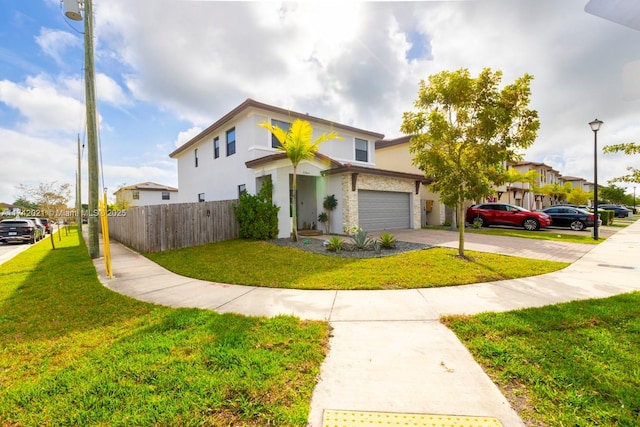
x: 511, y: 176
x: 299, y: 145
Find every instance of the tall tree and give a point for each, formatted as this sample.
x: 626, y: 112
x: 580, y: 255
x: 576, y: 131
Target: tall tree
x: 629, y: 148
x: 51, y: 198
x: 578, y: 196
x: 299, y: 145
x: 612, y: 194
x: 464, y: 130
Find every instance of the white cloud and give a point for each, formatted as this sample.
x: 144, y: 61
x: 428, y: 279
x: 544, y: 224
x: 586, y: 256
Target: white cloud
x: 187, y: 135
x: 42, y: 107
x: 56, y: 43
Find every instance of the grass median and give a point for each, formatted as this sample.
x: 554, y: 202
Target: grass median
x: 76, y: 353
x: 259, y: 263
x: 573, y: 364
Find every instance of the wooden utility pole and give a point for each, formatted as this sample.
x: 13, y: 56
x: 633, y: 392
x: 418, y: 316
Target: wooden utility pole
x: 92, y: 130
x: 79, y: 190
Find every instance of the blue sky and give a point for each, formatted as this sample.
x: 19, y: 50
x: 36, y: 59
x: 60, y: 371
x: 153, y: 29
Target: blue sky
x: 167, y: 69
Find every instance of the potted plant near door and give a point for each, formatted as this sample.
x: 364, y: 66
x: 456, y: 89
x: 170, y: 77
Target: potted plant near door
x: 324, y: 219
x: 329, y: 204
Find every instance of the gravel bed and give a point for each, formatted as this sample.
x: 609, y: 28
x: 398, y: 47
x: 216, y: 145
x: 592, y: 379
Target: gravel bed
x: 315, y: 245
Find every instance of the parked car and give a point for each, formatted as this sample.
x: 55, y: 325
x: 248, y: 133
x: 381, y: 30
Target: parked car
x: 19, y: 230
x: 40, y: 225
x: 486, y: 214
x: 566, y: 216
x: 620, y: 211
x: 47, y: 225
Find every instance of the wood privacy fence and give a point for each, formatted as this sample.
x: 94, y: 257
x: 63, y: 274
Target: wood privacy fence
x: 162, y: 227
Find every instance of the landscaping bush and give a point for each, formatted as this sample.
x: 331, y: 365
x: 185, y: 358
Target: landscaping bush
x: 257, y: 215
x: 387, y: 241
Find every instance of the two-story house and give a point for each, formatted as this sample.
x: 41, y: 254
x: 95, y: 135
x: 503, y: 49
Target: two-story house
x: 146, y: 194
x: 234, y: 154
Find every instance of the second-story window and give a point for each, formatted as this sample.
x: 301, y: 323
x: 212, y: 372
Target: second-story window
x: 362, y: 150
x: 282, y: 125
x: 216, y: 147
x: 231, y: 141
x: 136, y: 195
x: 195, y: 156
x: 166, y: 195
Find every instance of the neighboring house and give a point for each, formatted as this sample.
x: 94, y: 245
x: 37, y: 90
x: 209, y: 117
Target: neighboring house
x: 7, y: 209
x: 234, y: 154
x: 525, y: 194
x: 145, y: 194
x: 577, y: 182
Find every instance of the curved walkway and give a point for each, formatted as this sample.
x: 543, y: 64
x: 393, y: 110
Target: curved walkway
x: 388, y: 351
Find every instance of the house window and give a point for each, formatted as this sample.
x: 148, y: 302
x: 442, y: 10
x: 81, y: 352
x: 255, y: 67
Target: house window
x: 136, y: 195
x: 362, y: 150
x: 231, y: 141
x: 282, y: 125
x: 201, y: 197
x: 166, y: 195
x: 216, y: 147
x: 241, y: 189
x: 195, y: 156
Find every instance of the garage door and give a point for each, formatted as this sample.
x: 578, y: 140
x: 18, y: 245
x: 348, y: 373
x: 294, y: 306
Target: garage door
x: 384, y: 210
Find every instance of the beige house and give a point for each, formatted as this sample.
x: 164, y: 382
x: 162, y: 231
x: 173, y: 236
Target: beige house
x: 393, y: 154
x: 146, y: 194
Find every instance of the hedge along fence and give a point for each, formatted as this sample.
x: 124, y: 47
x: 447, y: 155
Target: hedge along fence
x: 162, y: 227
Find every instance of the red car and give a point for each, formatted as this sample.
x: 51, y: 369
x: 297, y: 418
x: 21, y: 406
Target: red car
x: 487, y: 214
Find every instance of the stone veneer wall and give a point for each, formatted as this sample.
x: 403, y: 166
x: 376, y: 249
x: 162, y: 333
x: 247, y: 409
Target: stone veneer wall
x: 376, y: 183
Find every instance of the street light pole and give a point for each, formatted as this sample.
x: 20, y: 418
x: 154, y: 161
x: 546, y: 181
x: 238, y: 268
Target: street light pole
x: 634, y: 199
x: 595, y: 127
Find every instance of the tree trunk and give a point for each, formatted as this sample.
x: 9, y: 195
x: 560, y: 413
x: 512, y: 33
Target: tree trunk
x: 460, y: 214
x: 294, y: 205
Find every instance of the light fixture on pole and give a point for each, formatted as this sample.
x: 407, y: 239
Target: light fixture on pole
x: 595, y: 127
x: 72, y: 11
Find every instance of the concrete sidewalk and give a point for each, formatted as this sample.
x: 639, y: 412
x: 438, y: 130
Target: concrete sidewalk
x: 389, y: 352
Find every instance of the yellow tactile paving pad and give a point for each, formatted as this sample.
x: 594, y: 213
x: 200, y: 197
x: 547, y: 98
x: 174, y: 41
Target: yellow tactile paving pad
x: 334, y: 418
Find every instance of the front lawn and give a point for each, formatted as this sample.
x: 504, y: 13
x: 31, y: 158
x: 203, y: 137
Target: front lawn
x: 553, y: 234
x: 573, y: 364
x: 76, y: 353
x: 259, y: 263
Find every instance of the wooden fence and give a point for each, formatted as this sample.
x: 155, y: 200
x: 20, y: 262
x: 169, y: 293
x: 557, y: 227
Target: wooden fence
x: 162, y: 227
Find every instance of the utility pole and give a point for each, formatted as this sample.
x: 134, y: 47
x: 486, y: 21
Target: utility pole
x: 92, y: 130
x: 72, y: 11
x: 79, y: 190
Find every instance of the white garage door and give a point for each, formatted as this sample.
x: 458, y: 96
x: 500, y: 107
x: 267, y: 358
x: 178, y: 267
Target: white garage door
x: 384, y: 210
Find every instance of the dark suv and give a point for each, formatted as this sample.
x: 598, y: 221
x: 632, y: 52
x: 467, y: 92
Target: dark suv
x: 486, y: 214
x: 19, y: 230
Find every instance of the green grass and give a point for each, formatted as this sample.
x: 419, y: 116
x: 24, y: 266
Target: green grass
x: 259, y: 263
x: 75, y: 353
x: 575, y: 364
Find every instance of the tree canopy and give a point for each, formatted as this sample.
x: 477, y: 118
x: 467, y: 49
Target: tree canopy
x: 629, y: 149
x: 464, y: 129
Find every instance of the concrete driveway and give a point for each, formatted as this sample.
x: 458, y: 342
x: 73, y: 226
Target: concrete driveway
x: 515, y: 246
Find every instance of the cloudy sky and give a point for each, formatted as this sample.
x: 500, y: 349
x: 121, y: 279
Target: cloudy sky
x: 167, y: 69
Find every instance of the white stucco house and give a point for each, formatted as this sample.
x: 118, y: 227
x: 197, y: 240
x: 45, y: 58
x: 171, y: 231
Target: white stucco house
x: 146, y: 194
x: 235, y: 154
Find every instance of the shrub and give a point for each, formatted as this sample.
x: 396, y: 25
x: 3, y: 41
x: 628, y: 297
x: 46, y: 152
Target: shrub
x: 335, y: 244
x: 387, y: 241
x: 361, y: 239
x: 257, y: 215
